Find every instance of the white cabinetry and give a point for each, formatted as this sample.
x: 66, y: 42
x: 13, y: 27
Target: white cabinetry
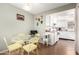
x: 51, y: 39
x: 67, y: 35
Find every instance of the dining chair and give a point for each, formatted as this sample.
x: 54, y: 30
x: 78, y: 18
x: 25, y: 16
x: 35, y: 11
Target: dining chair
x: 12, y: 47
x: 34, y: 40
x: 30, y: 48
x: 37, y: 35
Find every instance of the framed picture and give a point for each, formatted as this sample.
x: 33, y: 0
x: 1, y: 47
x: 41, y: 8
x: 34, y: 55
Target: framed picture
x: 41, y: 22
x: 71, y: 25
x: 38, y: 19
x: 20, y: 17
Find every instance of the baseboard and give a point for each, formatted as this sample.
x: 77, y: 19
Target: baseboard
x: 54, y: 43
x: 3, y: 51
x: 66, y: 39
x: 49, y: 43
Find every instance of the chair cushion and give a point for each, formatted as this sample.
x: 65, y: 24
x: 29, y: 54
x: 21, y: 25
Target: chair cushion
x: 14, y: 46
x: 29, y: 47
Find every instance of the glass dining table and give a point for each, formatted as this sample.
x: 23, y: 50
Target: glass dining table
x: 22, y: 41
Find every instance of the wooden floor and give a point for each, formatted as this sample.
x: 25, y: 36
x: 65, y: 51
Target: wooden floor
x: 62, y: 47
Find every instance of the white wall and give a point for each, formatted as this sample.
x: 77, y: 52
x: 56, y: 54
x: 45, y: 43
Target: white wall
x: 40, y: 27
x: 9, y: 25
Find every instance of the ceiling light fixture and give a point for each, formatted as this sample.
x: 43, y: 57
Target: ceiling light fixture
x: 27, y: 6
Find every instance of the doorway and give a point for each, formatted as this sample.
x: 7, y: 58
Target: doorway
x: 63, y: 23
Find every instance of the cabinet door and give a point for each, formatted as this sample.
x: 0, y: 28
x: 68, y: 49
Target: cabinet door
x: 67, y: 35
x: 56, y: 37
x: 52, y: 38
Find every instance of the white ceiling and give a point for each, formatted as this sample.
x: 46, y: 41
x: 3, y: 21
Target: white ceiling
x: 39, y: 7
